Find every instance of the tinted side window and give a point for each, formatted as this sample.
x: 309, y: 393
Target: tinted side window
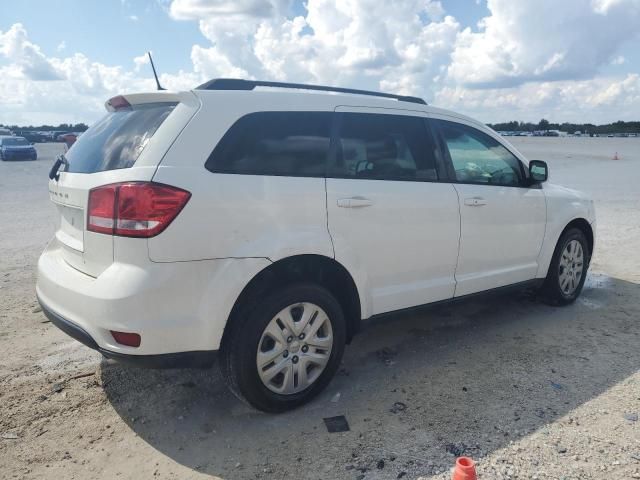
x: 387, y: 147
x: 275, y: 143
x: 479, y: 158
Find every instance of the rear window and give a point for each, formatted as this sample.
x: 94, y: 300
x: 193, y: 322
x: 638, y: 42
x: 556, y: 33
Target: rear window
x: 117, y: 140
x: 275, y: 143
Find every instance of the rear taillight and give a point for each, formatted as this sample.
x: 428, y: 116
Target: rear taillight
x: 134, y: 209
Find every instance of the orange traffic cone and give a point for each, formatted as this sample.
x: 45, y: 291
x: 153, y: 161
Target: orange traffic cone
x: 465, y: 469
x: 615, y: 156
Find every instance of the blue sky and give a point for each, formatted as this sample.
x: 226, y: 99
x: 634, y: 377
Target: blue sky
x: 493, y: 59
x: 110, y: 32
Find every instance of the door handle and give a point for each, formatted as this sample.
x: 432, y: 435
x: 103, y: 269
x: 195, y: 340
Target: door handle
x: 354, y: 202
x: 475, y: 201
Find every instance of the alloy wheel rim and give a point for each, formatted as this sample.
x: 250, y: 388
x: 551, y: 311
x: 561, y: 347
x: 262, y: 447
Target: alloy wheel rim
x: 294, y: 348
x: 571, y: 267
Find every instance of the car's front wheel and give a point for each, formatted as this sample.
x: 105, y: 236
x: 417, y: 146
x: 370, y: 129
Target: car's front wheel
x: 283, y: 351
x: 568, y: 268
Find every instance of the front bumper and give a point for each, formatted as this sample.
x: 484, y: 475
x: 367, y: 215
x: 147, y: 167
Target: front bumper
x: 198, y: 359
x: 12, y: 155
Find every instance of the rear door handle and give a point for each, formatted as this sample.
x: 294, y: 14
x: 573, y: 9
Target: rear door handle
x: 354, y: 202
x: 475, y: 201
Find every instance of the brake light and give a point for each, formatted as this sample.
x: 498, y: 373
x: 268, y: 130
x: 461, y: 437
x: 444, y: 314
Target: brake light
x: 101, y: 203
x: 134, y: 209
x: 119, y: 103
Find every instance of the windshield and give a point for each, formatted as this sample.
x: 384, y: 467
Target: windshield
x: 14, y: 141
x: 117, y: 139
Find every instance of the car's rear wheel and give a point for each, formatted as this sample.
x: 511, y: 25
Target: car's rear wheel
x: 282, y: 352
x: 568, y: 268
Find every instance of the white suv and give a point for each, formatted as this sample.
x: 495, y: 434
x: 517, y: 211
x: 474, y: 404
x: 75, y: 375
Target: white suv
x: 263, y: 221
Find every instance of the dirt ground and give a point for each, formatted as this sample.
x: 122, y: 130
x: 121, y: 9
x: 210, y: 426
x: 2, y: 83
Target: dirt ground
x: 527, y: 390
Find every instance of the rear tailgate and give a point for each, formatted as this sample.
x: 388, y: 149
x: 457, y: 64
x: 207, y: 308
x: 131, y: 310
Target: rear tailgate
x: 125, y: 145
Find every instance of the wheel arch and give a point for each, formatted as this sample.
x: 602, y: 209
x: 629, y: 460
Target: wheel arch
x: 553, y: 236
x: 319, y: 269
x: 584, y: 226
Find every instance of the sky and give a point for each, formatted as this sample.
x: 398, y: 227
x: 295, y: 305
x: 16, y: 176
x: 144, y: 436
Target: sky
x: 495, y: 60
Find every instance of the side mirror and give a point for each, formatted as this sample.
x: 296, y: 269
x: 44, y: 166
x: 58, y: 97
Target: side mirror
x: 538, y: 171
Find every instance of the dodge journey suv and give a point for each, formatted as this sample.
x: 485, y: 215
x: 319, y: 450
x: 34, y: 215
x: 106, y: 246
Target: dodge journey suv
x: 261, y: 222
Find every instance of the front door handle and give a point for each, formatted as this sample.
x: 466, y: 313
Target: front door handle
x: 354, y: 202
x: 475, y: 201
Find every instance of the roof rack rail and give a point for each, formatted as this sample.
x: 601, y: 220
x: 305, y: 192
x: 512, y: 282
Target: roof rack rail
x: 239, y: 84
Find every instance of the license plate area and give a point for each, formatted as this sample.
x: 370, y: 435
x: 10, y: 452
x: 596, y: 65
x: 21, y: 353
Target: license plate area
x: 71, y: 229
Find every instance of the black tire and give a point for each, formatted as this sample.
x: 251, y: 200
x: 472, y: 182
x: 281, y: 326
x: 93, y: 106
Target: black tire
x: 240, y: 346
x: 552, y: 292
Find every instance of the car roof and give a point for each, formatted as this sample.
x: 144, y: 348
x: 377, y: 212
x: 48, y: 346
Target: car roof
x: 300, y: 100
x: 261, y: 95
x: 365, y: 98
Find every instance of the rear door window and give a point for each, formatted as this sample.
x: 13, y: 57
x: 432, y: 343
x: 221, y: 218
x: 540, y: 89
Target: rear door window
x: 384, y: 147
x: 117, y: 139
x: 275, y: 143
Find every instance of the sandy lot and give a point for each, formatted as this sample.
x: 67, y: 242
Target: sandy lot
x: 528, y: 390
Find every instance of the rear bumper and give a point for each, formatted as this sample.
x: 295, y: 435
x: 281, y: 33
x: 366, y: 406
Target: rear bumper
x: 174, y: 307
x: 198, y: 359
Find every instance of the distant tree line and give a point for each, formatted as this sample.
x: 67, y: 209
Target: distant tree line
x: 63, y: 127
x: 616, y: 127
x: 513, y: 126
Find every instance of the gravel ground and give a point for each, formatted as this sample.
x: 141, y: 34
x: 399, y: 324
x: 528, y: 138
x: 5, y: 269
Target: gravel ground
x: 527, y: 390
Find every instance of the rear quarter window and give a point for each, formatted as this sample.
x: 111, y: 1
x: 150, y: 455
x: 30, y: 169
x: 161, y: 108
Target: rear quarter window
x: 274, y: 143
x: 117, y: 139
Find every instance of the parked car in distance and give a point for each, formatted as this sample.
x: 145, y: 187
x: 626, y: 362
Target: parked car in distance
x: 34, y: 137
x: 17, y: 148
x: 260, y: 223
x: 69, y: 138
x: 5, y: 132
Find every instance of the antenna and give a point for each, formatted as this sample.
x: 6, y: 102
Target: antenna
x: 154, y: 72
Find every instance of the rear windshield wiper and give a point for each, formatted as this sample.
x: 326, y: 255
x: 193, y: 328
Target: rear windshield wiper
x: 60, y: 160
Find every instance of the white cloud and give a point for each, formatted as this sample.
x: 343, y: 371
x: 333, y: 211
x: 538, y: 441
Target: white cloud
x: 619, y: 60
x: 26, y: 56
x: 61, y: 46
x: 526, y: 59
x: 207, y: 9
x: 359, y: 43
x: 598, y: 100
x: 133, y: 18
x: 140, y: 61
x: 38, y: 89
x: 546, y: 40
